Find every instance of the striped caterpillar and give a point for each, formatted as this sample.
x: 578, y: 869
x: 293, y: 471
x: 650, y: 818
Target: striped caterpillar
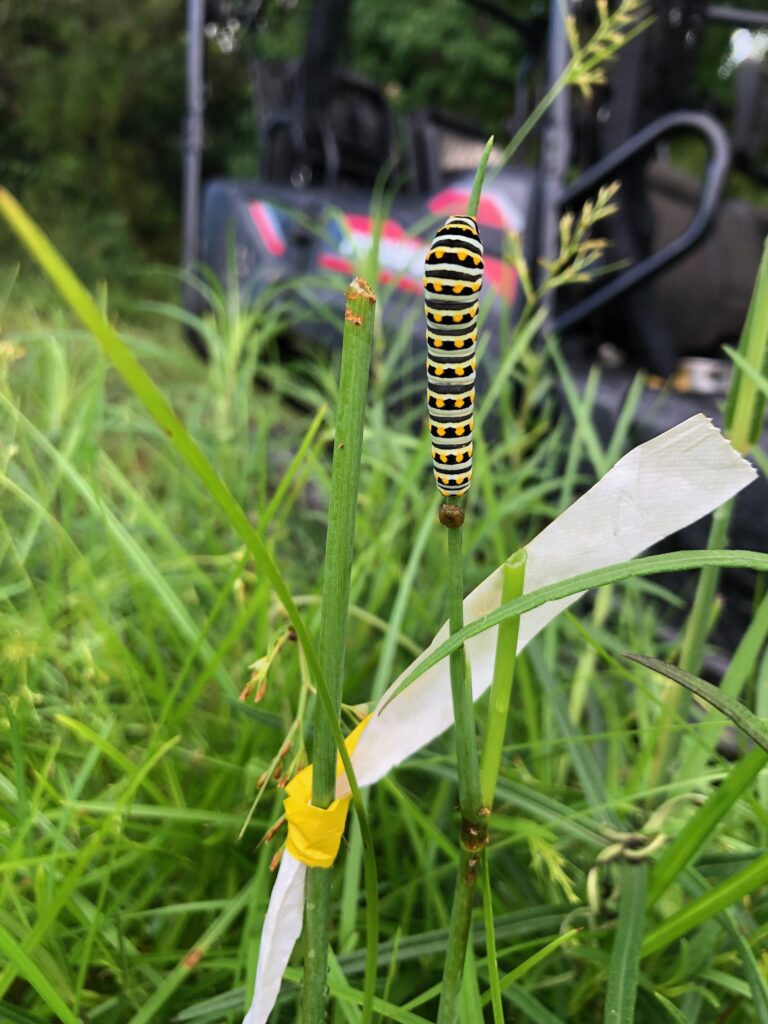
x: 453, y: 275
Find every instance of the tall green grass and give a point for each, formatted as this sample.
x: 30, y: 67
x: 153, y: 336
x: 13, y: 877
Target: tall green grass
x: 131, y: 611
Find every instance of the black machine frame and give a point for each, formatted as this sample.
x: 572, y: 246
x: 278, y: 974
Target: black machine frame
x: 629, y: 140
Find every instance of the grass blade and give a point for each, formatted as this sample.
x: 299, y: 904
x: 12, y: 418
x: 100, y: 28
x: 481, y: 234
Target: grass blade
x: 157, y: 405
x: 738, y: 713
x: 136, y: 377
x: 624, y: 969
x: 150, y: 1010
x: 683, y: 852
x: 705, y: 907
x: 35, y: 976
x: 680, y: 561
x: 538, y: 957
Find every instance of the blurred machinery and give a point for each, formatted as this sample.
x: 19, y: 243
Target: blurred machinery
x: 688, y: 256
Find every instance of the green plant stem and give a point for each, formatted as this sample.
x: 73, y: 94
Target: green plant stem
x: 477, y: 185
x: 565, y: 80
x: 345, y: 476
x: 492, y: 963
x: 82, y: 304
x: 745, y: 405
x: 473, y: 815
x: 470, y: 795
x: 513, y: 580
x: 530, y: 123
x: 458, y: 934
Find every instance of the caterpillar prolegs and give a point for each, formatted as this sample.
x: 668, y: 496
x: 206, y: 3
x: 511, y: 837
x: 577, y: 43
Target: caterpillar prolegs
x: 453, y: 276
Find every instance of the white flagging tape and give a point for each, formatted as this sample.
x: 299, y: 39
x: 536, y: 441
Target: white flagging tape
x: 657, y: 489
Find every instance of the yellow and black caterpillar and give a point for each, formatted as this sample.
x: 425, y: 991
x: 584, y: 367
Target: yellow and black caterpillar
x: 453, y: 276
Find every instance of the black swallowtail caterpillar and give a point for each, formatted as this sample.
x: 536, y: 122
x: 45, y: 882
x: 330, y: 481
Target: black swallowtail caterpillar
x: 453, y: 275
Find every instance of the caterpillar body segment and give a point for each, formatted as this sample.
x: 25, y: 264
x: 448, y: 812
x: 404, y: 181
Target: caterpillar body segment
x: 453, y: 276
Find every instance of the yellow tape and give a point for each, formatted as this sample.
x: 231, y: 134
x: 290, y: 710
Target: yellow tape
x: 314, y: 833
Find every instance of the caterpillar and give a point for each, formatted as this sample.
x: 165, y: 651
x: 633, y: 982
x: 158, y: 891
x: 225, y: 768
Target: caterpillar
x: 453, y: 276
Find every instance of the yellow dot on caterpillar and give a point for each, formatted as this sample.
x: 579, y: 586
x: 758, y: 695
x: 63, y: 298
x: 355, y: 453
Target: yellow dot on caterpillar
x: 460, y: 457
x: 459, y: 403
x: 473, y: 364
x: 444, y: 479
x: 474, y: 310
x: 437, y: 342
x: 471, y: 424
x: 460, y: 479
x: 426, y: 281
x: 459, y: 343
x: 469, y: 453
x: 462, y: 256
x: 459, y: 431
x: 439, y: 402
x: 458, y: 289
x: 438, y: 371
x: 476, y: 286
x: 441, y: 431
x: 443, y: 458
x: 438, y: 287
x: 477, y: 261
x: 457, y: 318
x: 473, y: 336
x: 459, y: 371
x: 439, y: 253
x: 471, y: 396
x: 438, y: 317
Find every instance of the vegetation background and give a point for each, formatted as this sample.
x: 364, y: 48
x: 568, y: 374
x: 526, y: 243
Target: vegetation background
x: 134, y: 877
x: 92, y: 102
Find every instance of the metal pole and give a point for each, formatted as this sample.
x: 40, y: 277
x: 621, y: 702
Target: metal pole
x: 556, y: 138
x: 737, y: 16
x: 193, y: 136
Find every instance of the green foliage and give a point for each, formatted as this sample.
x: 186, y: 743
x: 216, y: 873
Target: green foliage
x: 130, y: 613
x: 92, y: 105
x: 441, y: 54
x: 91, y: 113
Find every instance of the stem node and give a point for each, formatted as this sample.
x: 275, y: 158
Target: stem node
x: 451, y: 516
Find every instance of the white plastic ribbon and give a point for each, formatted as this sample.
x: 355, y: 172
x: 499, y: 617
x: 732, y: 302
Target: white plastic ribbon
x: 657, y: 489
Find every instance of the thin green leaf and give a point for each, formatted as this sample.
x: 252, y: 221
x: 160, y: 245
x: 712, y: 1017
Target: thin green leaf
x: 683, y: 852
x: 624, y: 969
x: 538, y: 957
x: 718, y: 898
x: 35, y: 976
x: 477, y: 184
x: 738, y: 713
x: 679, y: 561
x: 346, y: 993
